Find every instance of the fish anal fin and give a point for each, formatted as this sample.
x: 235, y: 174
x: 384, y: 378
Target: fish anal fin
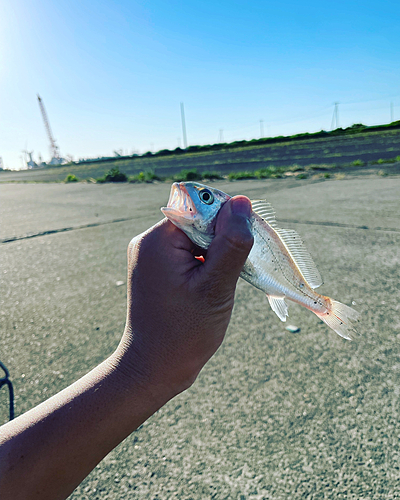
x: 301, y: 256
x: 264, y: 210
x: 279, y: 306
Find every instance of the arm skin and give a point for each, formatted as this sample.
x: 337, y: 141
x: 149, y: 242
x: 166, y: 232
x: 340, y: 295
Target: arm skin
x: 178, y: 312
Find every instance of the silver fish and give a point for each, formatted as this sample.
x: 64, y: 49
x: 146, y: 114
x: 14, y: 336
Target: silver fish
x: 278, y: 263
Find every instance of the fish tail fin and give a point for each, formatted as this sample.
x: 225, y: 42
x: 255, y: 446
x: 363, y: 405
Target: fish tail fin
x: 341, y: 319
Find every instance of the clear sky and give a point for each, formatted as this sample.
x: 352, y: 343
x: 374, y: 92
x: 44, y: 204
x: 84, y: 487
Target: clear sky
x: 112, y: 74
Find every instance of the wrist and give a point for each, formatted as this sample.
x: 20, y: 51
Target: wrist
x: 137, y: 375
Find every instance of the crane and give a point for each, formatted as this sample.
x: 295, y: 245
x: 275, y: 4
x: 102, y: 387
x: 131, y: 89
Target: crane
x: 54, y: 149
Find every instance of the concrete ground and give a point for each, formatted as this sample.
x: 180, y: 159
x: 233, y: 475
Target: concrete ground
x: 274, y: 415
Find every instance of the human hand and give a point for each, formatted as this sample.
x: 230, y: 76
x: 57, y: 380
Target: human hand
x: 178, y: 312
x: 178, y: 307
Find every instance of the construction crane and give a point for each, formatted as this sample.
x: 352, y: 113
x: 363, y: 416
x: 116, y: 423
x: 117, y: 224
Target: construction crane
x: 54, y: 149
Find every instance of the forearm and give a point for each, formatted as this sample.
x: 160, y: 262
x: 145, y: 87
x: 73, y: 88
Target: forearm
x: 46, y: 452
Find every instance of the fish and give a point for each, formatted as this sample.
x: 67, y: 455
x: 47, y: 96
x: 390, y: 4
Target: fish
x: 278, y: 263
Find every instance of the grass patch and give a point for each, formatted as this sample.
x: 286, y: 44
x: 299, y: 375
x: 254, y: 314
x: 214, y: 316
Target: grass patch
x: 270, y: 172
x: 71, y: 178
x: 387, y: 160
x: 113, y: 175
x: 147, y: 176
x: 187, y: 175
x: 302, y: 176
x: 238, y: 176
x: 358, y: 163
x: 211, y: 175
x: 382, y: 173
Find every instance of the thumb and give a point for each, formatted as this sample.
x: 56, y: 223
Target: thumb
x: 232, y: 243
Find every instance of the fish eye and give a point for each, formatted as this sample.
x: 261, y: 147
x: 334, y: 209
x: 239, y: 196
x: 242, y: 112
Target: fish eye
x: 206, y: 196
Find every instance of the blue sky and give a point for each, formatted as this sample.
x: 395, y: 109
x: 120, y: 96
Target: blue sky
x: 112, y: 74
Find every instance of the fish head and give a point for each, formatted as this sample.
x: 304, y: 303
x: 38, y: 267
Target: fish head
x: 193, y: 208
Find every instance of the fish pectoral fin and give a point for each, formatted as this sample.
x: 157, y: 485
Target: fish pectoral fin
x: 279, y: 306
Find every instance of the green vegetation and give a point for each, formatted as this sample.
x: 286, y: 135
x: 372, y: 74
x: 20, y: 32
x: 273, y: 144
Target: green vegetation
x: 113, y: 175
x: 211, y: 175
x: 387, y: 160
x: 270, y: 172
x: 71, y: 178
x: 238, y: 176
x: 262, y: 173
x: 358, y: 163
x: 193, y: 175
x: 187, y: 175
x: 147, y: 176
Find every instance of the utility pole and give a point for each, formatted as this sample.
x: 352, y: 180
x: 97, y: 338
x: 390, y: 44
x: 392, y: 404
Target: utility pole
x: 335, y: 117
x: 261, y: 128
x: 391, y: 113
x: 183, y: 126
x: 221, y: 135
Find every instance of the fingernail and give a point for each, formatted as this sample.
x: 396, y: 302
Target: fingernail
x: 241, y: 206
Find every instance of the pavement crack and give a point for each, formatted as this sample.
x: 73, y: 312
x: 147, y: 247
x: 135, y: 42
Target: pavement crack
x: 339, y: 224
x: 66, y: 229
x: 126, y: 219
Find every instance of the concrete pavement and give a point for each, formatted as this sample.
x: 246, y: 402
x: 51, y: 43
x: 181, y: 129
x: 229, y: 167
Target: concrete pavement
x: 273, y: 415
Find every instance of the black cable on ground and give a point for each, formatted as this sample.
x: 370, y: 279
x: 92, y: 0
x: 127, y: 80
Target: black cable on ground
x: 6, y: 381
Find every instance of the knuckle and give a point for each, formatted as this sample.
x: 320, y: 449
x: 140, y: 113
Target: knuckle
x: 134, y: 246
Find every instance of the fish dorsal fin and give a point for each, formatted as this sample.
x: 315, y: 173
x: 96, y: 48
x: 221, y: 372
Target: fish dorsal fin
x: 265, y: 211
x: 301, y: 257
x: 292, y: 242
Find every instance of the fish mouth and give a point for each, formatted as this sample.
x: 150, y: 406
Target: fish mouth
x: 180, y: 204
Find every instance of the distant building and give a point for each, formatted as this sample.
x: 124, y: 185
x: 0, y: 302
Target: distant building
x: 31, y: 163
